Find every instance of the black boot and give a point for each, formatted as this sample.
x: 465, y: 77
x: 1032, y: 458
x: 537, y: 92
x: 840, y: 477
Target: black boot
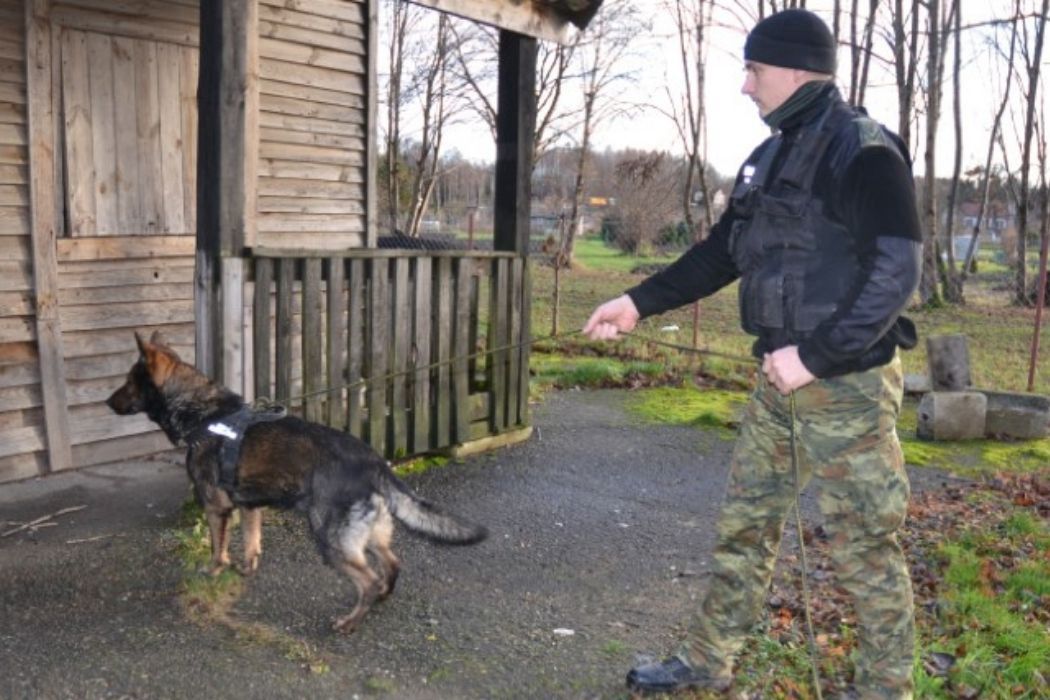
x: 670, y: 675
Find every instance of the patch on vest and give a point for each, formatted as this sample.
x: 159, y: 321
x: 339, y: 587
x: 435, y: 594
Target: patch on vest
x: 870, y: 132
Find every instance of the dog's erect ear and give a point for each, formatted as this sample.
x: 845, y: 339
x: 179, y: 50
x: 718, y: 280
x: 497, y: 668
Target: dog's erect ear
x: 160, y: 360
x: 158, y: 340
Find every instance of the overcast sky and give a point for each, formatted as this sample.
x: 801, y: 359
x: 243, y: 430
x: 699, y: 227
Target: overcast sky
x: 734, y: 127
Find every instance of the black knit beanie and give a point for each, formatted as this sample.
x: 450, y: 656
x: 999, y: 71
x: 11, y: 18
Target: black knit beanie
x: 792, y: 39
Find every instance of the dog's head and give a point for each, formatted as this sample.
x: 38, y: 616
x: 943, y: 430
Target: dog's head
x: 155, y: 365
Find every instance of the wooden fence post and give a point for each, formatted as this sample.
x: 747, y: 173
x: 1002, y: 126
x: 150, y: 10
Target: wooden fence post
x: 227, y: 165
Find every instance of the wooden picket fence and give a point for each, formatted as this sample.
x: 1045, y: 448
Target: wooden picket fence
x: 412, y: 351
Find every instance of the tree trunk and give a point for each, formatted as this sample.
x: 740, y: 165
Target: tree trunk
x: 928, y: 293
x: 905, y: 62
x: 951, y: 283
x: 1033, y: 61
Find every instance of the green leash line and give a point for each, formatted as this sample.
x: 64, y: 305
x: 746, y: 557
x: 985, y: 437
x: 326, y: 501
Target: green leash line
x: 811, y: 636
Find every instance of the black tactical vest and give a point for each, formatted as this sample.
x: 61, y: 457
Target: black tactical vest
x: 796, y: 263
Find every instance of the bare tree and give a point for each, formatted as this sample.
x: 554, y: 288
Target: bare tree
x: 605, y: 74
x: 992, y: 137
x: 645, y: 200
x: 860, y: 49
x: 403, y: 19
x: 1032, y: 59
x: 905, y: 46
x: 928, y: 288
x: 687, y: 110
x: 439, y: 101
x: 555, y: 118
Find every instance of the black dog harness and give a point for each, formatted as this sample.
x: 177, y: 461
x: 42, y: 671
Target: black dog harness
x: 231, y: 428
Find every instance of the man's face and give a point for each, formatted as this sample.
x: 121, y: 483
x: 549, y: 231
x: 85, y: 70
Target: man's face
x: 770, y: 86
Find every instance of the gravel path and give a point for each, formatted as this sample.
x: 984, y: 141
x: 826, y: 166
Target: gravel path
x: 600, y: 532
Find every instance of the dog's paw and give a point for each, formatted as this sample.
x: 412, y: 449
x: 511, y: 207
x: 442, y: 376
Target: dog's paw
x: 214, y: 569
x: 248, y: 567
x: 345, y: 624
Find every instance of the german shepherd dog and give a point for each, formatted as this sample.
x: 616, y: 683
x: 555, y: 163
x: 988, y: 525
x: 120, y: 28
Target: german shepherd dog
x: 345, y: 488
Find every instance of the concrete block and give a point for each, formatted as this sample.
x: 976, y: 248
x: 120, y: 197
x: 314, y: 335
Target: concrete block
x: 1016, y: 415
x: 952, y: 415
x: 948, y: 357
x: 916, y: 383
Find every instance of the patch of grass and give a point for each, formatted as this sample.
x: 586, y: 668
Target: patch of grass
x: 418, y: 465
x: 614, y: 647
x: 559, y: 371
x: 208, y: 599
x: 689, y: 406
x: 376, y: 685
x: 993, y: 616
x: 790, y: 663
x: 591, y: 253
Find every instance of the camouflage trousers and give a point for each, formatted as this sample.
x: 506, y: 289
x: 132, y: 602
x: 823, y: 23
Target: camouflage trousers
x: 847, y: 443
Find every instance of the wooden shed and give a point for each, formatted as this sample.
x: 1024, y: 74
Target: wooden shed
x: 206, y: 168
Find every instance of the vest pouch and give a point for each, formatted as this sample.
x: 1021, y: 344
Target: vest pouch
x: 808, y: 316
x: 789, y: 205
x: 744, y: 258
x: 762, y: 301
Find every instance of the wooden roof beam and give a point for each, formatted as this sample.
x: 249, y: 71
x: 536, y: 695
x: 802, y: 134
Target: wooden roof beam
x: 528, y: 18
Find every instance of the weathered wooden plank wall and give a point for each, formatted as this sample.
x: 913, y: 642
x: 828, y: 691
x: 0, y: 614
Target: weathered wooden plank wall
x: 126, y: 79
x: 23, y: 447
x: 312, y: 124
x: 113, y: 163
x: 129, y: 117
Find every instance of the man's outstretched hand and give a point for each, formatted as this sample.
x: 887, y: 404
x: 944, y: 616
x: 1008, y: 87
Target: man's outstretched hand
x: 612, y: 318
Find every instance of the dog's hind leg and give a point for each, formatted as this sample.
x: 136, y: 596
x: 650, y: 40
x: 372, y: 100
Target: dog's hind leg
x: 379, y: 545
x: 368, y: 585
x: 345, y: 547
x: 251, y: 530
x: 219, y: 528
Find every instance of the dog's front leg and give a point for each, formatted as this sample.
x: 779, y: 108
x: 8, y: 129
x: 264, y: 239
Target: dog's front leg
x: 219, y: 526
x: 251, y: 527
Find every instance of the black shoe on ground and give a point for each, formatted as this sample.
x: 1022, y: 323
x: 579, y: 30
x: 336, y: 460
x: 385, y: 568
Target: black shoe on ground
x: 670, y: 675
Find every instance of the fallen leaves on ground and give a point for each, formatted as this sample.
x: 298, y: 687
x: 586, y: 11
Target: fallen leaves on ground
x: 934, y: 517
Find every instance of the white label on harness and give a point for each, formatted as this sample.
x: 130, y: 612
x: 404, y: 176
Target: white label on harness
x: 749, y: 172
x: 223, y: 430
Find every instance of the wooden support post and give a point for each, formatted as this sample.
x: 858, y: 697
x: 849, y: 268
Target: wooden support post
x: 227, y: 165
x: 515, y: 135
x: 372, y: 128
x: 43, y: 227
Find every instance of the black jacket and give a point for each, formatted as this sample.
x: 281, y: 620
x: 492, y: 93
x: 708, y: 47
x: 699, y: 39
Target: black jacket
x: 868, y: 189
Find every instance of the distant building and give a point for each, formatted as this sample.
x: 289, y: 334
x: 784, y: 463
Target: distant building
x: 998, y: 217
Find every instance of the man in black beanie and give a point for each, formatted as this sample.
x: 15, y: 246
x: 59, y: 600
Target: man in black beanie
x: 823, y: 235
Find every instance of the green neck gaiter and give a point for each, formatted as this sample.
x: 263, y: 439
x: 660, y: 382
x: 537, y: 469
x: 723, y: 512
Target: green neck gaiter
x: 806, y: 95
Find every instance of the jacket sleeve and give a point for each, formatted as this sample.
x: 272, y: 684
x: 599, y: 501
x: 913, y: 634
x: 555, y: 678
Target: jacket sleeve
x: 702, y: 270
x: 877, y: 204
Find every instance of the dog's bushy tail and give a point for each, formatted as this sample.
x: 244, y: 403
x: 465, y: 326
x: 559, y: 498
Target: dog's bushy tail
x: 423, y: 517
